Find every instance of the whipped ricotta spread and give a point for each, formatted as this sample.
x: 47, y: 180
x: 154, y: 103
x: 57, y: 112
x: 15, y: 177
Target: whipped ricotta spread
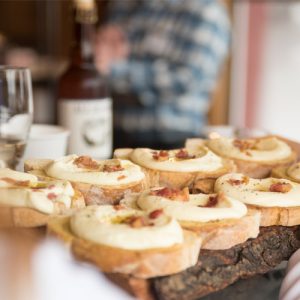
x: 23, y: 178
x: 259, y: 192
x: 294, y: 171
x: 66, y: 169
x: 202, y: 160
x: 258, y: 150
x: 193, y: 210
x: 23, y: 190
x: 106, y: 225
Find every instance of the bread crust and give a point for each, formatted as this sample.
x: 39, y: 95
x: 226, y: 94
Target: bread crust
x: 283, y: 216
x: 280, y: 172
x: 262, y: 169
x: 141, y: 264
x: 30, y: 217
x: 96, y: 194
x: 196, y: 181
x: 92, y: 193
x: 138, y: 287
x: 224, y: 234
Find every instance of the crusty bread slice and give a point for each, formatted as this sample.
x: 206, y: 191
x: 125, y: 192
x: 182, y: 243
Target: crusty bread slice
x: 271, y: 216
x: 21, y: 217
x: 92, y: 193
x: 138, y: 263
x: 224, y: 234
x: 262, y: 170
x: 29, y: 217
x: 196, y: 181
x: 138, y: 287
x: 219, y: 234
x: 281, y: 172
x: 247, y: 167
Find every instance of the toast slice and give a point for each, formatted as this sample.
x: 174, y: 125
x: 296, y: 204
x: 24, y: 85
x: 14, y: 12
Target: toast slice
x: 281, y: 216
x: 291, y: 173
x: 216, y: 232
x: 247, y: 164
x: 27, y: 202
x: 278, y: 200
x: 138, y: 263
x: 28, y: 217
x: 224, y: 234
x: 197, y: 181
x: 92, y: 193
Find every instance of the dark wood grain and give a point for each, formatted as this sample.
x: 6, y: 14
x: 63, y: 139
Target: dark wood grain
x: 218, y: 269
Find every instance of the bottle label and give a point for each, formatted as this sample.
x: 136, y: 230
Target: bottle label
x: 90, y: 125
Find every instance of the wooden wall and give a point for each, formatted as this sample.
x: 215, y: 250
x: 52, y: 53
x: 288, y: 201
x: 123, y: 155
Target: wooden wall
x: 46, y: 25
x: 218, y: 114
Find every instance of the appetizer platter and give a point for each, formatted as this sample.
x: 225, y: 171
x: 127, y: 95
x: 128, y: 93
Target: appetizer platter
x: 167, y: 224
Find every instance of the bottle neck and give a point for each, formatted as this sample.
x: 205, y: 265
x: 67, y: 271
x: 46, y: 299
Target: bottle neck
x: 83, y: 48
x: 84, y: 36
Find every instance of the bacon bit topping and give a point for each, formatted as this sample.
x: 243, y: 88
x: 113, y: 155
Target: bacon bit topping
x: 183, y: 154
x: 244, y: 180
x: 51, y: 196
x: 156, y: 213
x: 212, y: 201
x: 112, y: 168
x: 280, y: 187
x: 244, y: 145
x: 118, y: 207
x: 121, y: 177
x: 16, y: 182
x: 86, y: 162
x: 172, y: 194
x: 248, y: 153
x: 161, y: 155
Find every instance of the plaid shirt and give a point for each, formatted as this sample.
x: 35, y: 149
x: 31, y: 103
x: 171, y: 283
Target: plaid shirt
x: 177, y: 47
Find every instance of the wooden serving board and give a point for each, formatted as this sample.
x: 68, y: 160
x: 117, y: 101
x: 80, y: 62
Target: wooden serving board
x: 217, y: 269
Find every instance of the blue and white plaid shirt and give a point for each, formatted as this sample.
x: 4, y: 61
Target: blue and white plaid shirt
x: 177, y: 47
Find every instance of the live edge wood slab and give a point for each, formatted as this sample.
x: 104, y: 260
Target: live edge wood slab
x: 218, y: 269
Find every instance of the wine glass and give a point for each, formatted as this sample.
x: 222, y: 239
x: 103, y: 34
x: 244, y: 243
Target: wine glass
x: 16, y: 111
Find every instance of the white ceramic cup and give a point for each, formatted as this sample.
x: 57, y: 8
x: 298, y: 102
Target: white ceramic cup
x: 46, y: 141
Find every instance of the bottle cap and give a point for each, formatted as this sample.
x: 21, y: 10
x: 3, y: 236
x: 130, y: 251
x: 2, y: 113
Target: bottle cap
x: 84, y: 4
x: 86, y: 11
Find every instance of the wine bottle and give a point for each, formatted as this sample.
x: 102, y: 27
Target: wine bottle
x: 84, y: 106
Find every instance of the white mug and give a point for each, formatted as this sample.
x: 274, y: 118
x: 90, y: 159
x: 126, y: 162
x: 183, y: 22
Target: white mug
x: 46, y: 141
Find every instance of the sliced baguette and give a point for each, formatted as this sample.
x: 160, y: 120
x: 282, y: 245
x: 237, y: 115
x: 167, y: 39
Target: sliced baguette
x: 272, y: 213
x: 140, y: 264
x: 221, y: 235
x: 92, y: 193
x: 29, y: 217
x: 281, y: 172
x: 247, y: 167
x: 262, y: 170
x: 138, y: 287
x: 274, y: 216
x: 196, y: 181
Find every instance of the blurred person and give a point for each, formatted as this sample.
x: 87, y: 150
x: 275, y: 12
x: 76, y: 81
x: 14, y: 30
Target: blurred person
x: 162, y: 58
